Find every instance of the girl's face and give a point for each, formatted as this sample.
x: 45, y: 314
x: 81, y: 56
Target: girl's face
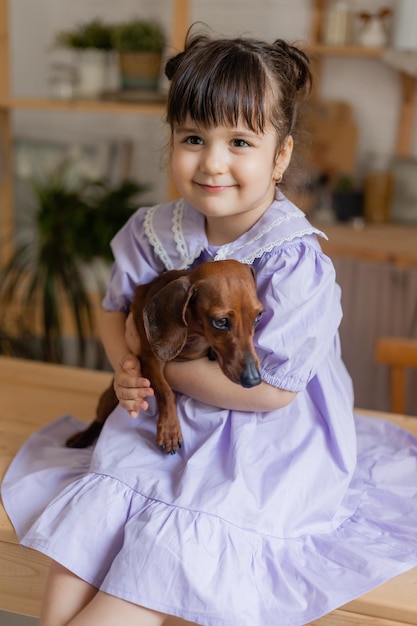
x: 228, y: 174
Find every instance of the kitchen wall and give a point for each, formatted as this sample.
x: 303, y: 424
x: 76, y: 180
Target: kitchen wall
x: 371, y: 87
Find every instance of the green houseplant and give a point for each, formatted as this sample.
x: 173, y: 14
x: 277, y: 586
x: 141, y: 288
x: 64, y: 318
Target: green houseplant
x: 92, y: 42
x: 50, y: 278
x: 140, y: 44
x: 94, y: 34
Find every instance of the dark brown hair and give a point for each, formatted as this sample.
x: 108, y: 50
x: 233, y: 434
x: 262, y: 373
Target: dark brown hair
x: 224, y: 81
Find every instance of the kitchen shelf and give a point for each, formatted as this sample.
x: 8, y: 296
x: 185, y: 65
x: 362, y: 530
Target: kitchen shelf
x: 320, y: 51
x: 323, y: 50
x: 85, y: 106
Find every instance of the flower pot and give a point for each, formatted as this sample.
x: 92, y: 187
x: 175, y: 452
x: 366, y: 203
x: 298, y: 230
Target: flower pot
x: 347, y: 205
x: 92, y: 71
x: 140, y: 70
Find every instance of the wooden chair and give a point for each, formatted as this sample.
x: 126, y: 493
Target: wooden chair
x: 398, y: 353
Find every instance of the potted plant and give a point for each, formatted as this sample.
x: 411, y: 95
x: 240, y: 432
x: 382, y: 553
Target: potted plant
x: 347, y: 199
x: 92, y: 42
x: 50, y: 277
x: 140, y: 44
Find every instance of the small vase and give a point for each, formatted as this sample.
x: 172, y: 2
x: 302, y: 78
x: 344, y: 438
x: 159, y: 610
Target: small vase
x: 140, y: 70
x: 92, y: 69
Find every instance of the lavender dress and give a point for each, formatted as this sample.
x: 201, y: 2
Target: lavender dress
x: 262, y: 518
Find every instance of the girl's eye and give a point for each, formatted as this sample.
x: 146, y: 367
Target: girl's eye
x: 194, y: 140
x: 221, y: 323
x: 240, y: 143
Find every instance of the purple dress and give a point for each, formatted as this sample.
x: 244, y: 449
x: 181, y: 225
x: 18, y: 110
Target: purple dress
x: 262, y: 518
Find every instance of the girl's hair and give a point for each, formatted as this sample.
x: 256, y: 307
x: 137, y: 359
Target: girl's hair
x: 226, y: 81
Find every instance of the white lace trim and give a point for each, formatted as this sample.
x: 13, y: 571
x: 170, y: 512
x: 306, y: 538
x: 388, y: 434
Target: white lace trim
x: 177, y: 219
x: 222, y: 253
x: 178, y: 233
x: 154, y: 239
x: 280, y: 220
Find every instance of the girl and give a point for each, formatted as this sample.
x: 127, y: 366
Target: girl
x: 275, y: 511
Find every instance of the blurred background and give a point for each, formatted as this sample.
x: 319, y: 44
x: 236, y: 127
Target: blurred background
x: 82, y: 145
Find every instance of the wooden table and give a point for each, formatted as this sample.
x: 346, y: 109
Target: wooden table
x: 31, y: 395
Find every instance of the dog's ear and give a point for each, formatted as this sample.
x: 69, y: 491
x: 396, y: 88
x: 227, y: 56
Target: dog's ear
x: 253, y: 274
x: 164, y: 318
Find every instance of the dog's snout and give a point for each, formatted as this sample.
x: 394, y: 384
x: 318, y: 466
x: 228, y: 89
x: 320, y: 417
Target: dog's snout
x: 251, y: 375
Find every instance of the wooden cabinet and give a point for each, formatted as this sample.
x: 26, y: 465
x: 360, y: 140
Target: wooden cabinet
x: 8, y: 103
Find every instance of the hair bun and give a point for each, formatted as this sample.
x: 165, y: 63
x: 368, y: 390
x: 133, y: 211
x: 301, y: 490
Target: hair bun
x: 299, y: 64
x: 172, y: 64
x: 192, y: 40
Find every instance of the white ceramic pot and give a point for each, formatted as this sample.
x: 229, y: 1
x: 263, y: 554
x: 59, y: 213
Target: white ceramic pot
x: 92, y: 71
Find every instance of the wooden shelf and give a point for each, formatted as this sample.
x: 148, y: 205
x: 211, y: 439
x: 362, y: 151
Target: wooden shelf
x: 86, y: 106
x: 322, y: 50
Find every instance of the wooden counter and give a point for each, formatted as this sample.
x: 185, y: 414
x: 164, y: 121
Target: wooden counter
x: 373, y: 242
x: 33, y: 394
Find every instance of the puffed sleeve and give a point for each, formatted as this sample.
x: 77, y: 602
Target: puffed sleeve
x: 134, y: 263
x: 297, y: 287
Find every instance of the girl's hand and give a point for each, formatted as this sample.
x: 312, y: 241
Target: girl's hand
x: 130, y: 387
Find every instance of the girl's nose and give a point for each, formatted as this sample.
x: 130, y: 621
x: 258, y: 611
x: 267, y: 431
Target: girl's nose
x: 213, y: 160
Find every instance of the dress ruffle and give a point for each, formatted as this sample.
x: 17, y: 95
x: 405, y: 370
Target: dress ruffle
x: 201, y: 567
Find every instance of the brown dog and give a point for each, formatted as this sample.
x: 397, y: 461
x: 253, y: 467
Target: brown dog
x: 209, y: 311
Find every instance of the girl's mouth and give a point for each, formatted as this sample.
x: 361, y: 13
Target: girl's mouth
x: 213, y: 188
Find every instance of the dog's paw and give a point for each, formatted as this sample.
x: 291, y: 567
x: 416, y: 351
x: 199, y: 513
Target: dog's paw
x: 169, y: 438
x: 173, y: 450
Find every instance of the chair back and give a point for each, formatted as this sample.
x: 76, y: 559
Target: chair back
x: 399, y: 354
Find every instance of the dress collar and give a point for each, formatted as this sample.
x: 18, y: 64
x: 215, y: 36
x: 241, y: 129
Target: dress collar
x: 281, y: 223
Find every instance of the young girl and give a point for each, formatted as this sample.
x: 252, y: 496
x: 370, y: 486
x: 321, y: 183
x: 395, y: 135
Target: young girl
x: 276, y: 510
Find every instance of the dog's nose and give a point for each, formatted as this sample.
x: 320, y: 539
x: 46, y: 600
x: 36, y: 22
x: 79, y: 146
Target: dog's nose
x: 250, y: 376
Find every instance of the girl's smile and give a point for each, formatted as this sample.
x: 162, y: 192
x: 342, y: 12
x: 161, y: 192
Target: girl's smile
x: 213, y: 188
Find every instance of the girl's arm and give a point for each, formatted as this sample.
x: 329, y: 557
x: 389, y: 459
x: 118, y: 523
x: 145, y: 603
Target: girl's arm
x: 130, y: 387
x: 203, y: 380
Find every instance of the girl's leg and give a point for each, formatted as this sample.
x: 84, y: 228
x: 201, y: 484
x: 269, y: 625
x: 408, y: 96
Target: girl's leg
x: 70, y: 601
x: 64, y: 597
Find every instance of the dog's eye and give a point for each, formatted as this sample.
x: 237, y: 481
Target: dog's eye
x: 221, y: 323
x: 258, y: 318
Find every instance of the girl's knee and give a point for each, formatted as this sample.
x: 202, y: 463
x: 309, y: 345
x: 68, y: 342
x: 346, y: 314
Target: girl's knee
x: 64, y: 597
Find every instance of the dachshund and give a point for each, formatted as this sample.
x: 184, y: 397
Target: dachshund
x: 212, y: 311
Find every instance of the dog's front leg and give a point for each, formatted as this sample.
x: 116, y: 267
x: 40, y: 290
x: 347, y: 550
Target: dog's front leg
x: 168, y: 431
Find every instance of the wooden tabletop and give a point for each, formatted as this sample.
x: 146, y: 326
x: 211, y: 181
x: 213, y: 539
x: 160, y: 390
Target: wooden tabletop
x: 33, y: 394
x: 372, y: 242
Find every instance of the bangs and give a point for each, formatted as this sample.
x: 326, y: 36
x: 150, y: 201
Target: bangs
x: 220, y: 90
